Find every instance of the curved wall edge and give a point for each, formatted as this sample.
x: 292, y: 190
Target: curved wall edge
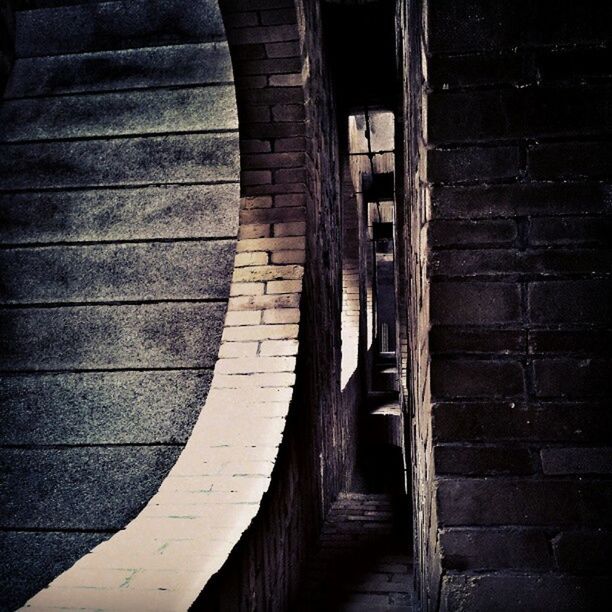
x: 165, y: 556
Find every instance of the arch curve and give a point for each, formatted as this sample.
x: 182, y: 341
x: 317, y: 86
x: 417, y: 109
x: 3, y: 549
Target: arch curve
x: 164, y: 557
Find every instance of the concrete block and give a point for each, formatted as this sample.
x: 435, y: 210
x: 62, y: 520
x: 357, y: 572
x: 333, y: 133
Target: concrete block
x: 111, y: 337
x: 176, y: 211
x: 180, y: 65
x: 123, y: 272
x: 143, y: 160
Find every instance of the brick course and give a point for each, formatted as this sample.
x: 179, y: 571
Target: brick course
x: 518, y: 273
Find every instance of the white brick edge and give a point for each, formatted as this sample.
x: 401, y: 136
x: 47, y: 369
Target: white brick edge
x: 349, y: 321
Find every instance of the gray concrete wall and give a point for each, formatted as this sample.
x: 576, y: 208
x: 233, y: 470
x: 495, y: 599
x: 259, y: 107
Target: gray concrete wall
x: 119, y: 206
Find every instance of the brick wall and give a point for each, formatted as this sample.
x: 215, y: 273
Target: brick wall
x: 322, y: 287
x: 353, y: 320
x: 412, y: 257
x: 289, y: 183
x: 514, y: 444
x: 7, y: 40
x: 289, y: 167
x: 503, y: 232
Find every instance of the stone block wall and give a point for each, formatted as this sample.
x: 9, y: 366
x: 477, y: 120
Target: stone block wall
x: 119, y: 170
x: 512, y: 456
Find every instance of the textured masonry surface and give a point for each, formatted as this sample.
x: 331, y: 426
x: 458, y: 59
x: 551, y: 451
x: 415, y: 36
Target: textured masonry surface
x: 164, y: 557
x: 119, y: 197
x: 317, y: 452
x: 509, y: 260
x: 504, y: 240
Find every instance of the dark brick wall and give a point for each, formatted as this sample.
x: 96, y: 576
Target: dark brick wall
x: 289, y: 163
x: 518, y: 269
x: 322, y: 283
x: 411, y: 247
x: 7, y: 40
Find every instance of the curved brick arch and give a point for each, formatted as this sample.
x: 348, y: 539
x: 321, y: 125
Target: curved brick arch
x: 315, y: 458
x: 167, y: 554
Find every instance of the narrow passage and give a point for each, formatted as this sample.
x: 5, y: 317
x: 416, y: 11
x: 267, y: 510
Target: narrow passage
x: 364, y: 558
